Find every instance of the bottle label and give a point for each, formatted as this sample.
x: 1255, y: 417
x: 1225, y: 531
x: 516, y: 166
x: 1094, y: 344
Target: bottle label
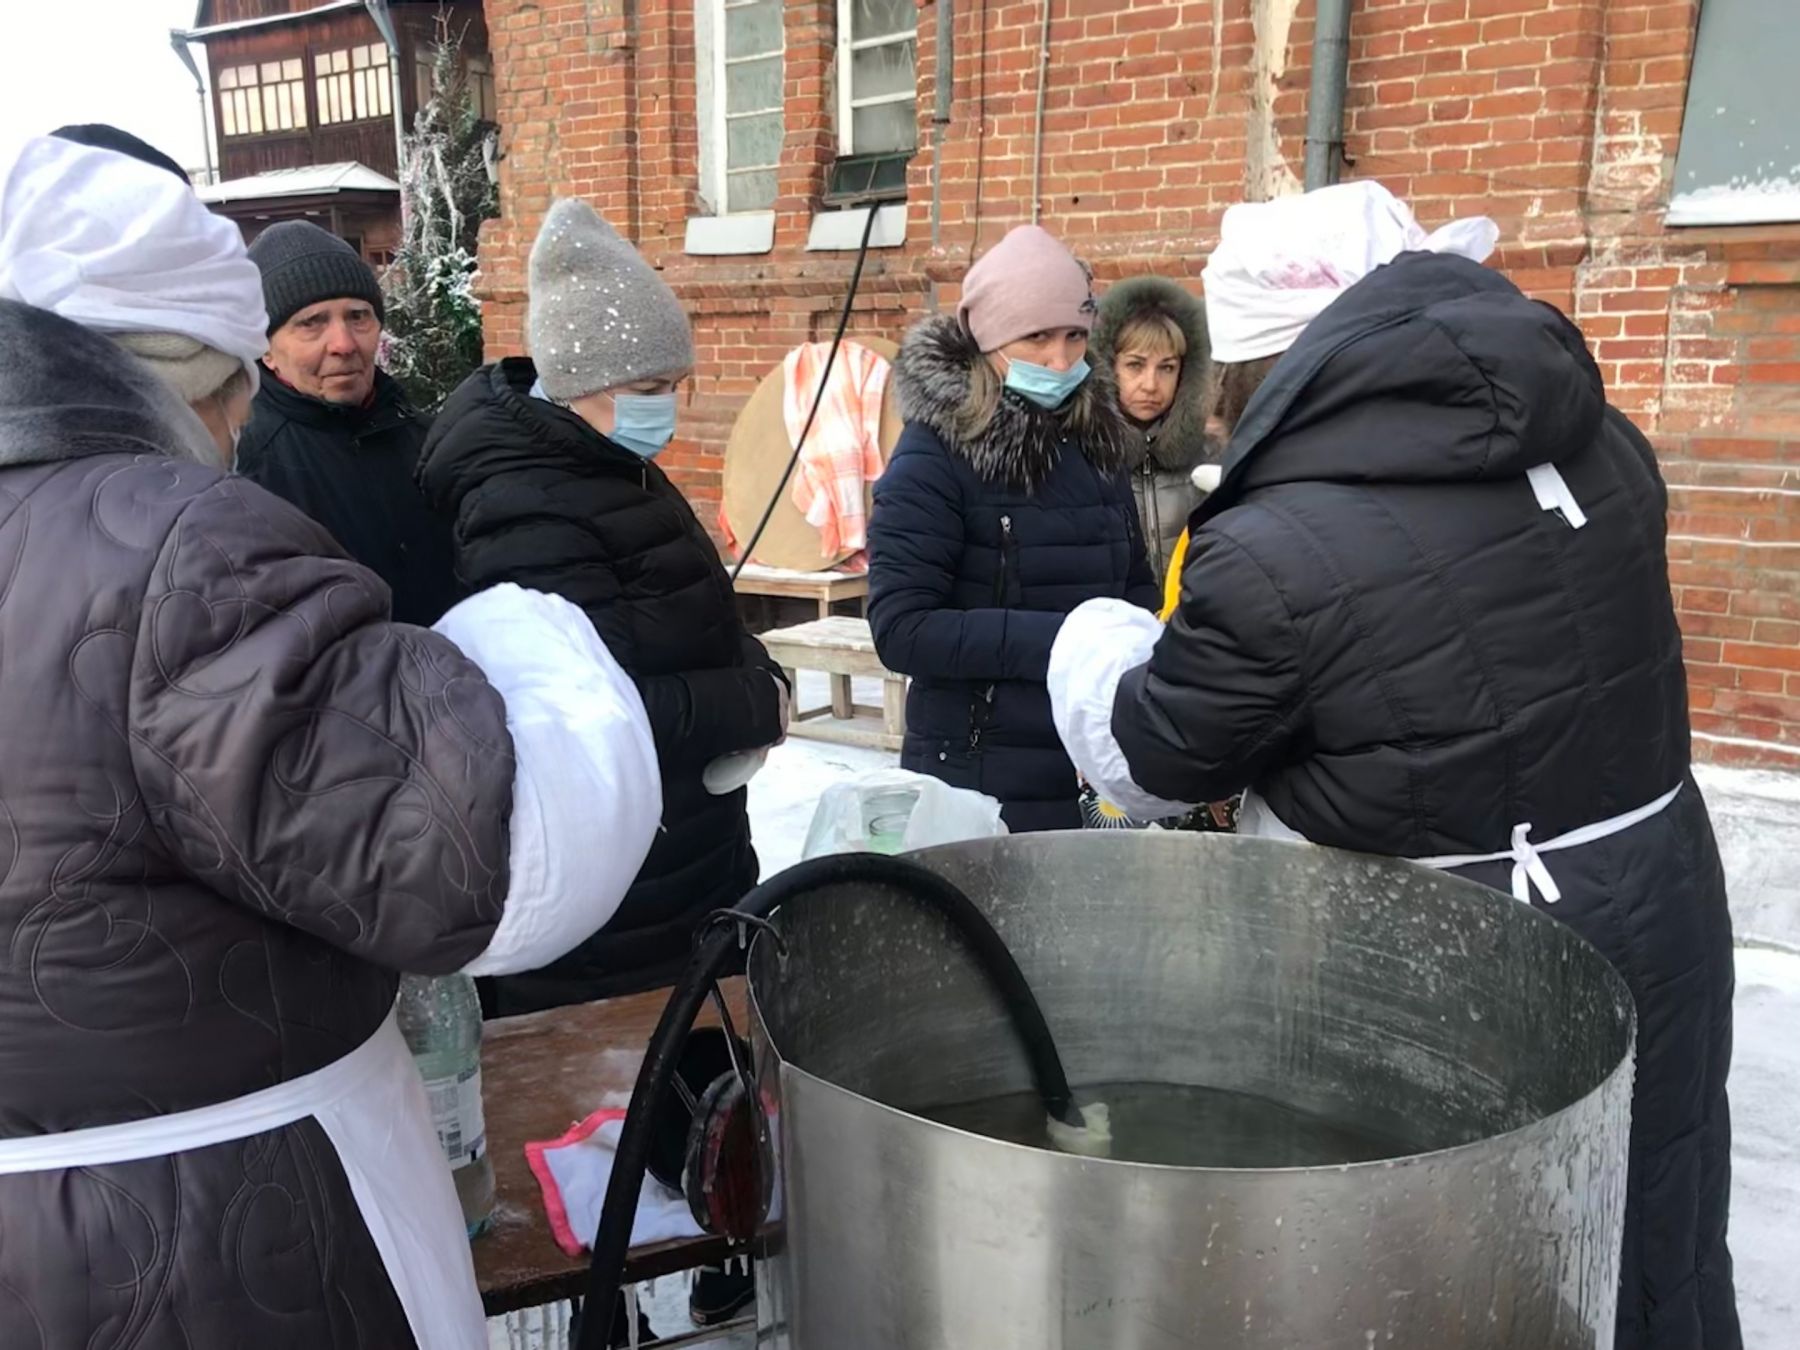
x: 456, y: 1112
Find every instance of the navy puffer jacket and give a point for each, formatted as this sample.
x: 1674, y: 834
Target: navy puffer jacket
x: 977, y: 549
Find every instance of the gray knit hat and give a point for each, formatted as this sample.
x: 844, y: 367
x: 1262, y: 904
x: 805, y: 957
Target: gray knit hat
x: 302, y: 265
x: 600, y: 315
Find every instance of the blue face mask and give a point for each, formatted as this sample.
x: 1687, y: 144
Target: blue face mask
x: 1043, y: 386
x: 643, y: 423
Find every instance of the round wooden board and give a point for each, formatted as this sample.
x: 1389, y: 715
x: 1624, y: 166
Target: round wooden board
x: 755, y: 458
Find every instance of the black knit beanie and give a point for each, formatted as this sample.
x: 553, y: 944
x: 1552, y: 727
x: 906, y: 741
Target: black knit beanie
x: 302, y: 265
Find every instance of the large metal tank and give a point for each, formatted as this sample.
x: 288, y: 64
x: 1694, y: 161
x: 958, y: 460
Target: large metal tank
x: 1342, y: 985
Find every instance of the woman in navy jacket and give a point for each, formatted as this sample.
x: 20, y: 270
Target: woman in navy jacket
x: 1005, y: 506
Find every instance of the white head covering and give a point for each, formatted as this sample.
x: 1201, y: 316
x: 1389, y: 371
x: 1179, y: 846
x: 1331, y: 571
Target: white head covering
x: 120, y: 246
x: 1280, y: 263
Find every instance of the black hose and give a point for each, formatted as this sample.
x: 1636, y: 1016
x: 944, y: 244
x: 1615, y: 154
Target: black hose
x: 837, y: 340
x: 606, y: 1267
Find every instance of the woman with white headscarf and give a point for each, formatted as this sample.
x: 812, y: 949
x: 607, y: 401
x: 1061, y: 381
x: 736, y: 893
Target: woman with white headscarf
x: 235, y: 802
x: 1427, y: 614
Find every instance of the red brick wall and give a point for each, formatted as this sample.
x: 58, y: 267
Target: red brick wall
x: 1560, y: 118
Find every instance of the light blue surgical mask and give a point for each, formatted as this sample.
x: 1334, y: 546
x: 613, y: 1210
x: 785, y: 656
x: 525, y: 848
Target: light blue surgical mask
x: 1043, y: 386
x: 643, y: 423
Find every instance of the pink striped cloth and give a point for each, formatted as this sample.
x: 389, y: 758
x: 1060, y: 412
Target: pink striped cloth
x: 843, y: 449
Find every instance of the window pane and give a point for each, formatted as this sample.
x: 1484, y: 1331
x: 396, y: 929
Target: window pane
x: 340, y: 61
x: 362, y: 97
x: 292, y: 70
x: 359, y: 57
x: 228, y: 79
x: 878, y: 18
x: 378, y: 54
x: 750, y: 191
x: 875, y: 71
x: 751, y: 142
x: 228, y: 110
x: 299, y: 98
x: 284, y: 107
x: 384, y: 91
x: 271, y: 72
x: 253, y: 107
x: 753, y: 86
x: 751, y: 30
x: 886, y: 126
x: 246, y: 75
x: 271, y: 114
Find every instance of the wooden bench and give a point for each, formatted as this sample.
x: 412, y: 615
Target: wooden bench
x: 842, y: 648
x: 825, y: 587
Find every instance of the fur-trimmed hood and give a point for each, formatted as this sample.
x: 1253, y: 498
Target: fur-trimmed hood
x: 1178, y: 441
x: 1021, y: 442
x: 67, y: 392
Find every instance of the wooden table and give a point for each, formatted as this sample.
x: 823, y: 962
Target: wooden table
x: 539, y: 1075
x: 825, y: 587
x: 843, y: 648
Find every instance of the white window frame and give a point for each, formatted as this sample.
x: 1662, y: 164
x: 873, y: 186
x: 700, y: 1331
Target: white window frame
x: 847, y: 44
x: 716, y: 171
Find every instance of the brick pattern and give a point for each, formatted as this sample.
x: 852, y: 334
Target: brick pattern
x: 1560, y: 118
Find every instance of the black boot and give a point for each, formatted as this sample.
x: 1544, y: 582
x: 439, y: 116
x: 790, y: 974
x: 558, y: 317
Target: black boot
x: 721, y: 1292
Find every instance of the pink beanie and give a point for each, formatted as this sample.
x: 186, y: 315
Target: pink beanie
x: 1027, y: 283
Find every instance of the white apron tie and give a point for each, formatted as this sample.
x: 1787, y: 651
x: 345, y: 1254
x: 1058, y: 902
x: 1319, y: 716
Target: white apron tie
x: 371, y: 1105
x: 1553, y: 494
x: 1529, y: 868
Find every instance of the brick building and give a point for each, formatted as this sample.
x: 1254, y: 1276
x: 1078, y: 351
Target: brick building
x: 716, y: 131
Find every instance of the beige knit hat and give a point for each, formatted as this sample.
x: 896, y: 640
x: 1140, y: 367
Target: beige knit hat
x: 187, y: 365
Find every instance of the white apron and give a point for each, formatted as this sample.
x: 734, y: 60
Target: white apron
x: 371, y: 1105
x: 1529, y: 868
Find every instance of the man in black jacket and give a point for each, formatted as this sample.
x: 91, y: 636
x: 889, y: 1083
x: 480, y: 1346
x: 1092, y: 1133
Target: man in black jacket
x: 333, y: 434
x: 1427, y: 615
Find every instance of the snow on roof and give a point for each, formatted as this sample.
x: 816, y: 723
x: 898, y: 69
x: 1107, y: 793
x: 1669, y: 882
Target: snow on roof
x: 313, y: 181
x: 261, y: 21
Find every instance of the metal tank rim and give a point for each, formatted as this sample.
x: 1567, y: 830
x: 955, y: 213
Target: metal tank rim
x: 1464, y: 891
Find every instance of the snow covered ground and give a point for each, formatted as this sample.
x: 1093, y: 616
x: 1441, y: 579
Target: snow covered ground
x: 1765, y: 1082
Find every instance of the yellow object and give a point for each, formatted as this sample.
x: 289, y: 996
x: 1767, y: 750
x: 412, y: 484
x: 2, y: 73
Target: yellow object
x: 1172, y: 582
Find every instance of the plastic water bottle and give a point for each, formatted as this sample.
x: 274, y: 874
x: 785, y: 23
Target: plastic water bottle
x: 440, y: 1017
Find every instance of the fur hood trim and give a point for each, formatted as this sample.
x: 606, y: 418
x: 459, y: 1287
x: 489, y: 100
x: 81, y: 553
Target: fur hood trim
x: 67, y: 392
x: 1021, y: 443
x: 1179, y: 442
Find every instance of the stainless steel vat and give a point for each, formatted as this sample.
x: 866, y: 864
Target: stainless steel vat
x: 1337, y: 983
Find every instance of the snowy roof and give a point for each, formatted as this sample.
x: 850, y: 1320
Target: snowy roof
x: 316, y: 180
x: 202, y: 29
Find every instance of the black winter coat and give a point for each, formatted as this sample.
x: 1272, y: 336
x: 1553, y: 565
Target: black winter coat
x: 976, y: 552
x: 351, y: 469
x: 1383, y: 633
x: 541, y: 499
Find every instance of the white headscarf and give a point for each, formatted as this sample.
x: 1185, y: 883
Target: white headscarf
x: 1280, y: 263
x: 120, y: 246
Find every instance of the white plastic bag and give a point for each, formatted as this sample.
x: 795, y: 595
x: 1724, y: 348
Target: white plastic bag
x: 895, y: 811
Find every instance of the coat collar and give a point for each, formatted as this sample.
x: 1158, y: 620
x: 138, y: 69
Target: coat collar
x: 68, y: 393
x: 1021, y: 443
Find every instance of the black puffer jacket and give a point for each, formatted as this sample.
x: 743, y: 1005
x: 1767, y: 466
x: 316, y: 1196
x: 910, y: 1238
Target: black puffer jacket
x: 351, y: 469
x: 976, y: 552
x: 541, y: 499
x: 234, y: 800
x: 1383, y: 633
x: 1161, y: 455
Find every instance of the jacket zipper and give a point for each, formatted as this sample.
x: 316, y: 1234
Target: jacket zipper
x: 981, y: 707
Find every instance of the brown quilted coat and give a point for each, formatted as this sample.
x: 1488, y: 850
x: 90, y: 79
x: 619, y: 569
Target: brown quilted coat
x: 234, y: 800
